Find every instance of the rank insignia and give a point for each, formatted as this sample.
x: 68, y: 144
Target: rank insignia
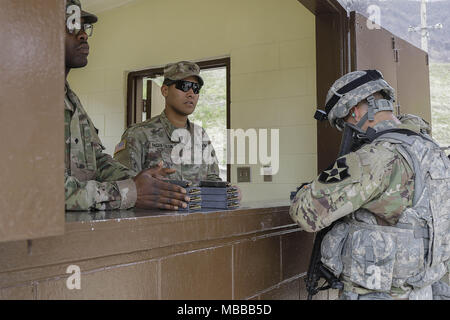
x: 337, y: 172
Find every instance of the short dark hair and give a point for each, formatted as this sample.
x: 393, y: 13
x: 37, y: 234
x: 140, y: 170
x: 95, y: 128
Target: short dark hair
x: 168, y: 82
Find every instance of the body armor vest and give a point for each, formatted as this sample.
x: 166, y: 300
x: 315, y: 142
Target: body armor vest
x: 413, y: 252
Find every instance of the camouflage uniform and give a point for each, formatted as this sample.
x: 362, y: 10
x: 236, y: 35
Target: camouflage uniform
x: 391, y: 200
x: 375, y: 178
x: 145, y: 144
x: 374, y: 185
x: 93, y: 180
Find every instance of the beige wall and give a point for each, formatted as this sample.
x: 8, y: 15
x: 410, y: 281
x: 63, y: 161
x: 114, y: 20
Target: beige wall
x: 273, y: 82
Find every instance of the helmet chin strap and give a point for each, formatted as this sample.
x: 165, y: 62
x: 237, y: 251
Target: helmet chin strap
x: 363, y: 120
x: 374, y: 107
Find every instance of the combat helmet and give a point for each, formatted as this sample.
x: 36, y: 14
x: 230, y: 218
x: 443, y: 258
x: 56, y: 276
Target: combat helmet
x: 349, y: 90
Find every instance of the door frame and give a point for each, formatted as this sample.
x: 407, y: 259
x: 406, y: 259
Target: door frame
x: 332, y: 62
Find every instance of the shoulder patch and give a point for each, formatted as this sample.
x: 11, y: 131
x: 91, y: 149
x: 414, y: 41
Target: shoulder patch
x: 337, y: 172
x: 121, y: 146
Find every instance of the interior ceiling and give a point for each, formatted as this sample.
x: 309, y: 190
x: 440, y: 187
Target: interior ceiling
x: 96, y: 6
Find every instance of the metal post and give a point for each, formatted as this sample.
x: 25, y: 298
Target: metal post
x: 423, y: 18
x: 424, y: 28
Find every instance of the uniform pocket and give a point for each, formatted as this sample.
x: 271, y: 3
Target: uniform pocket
x: 332, y: 246
x: 439, y: 190
x: 89, y: 146
x: 372, y: 256
x: 409, y: 258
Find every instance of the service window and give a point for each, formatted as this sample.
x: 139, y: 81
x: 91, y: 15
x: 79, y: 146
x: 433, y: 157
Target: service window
x: 145, y: 101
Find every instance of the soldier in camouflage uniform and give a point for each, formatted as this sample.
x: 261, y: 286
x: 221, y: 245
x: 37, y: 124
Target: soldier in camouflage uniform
x: 390, y: 199
x: 171, y: 137
x: 93, y: 180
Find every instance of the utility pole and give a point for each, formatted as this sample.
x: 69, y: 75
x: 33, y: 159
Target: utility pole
x: 424, y: 28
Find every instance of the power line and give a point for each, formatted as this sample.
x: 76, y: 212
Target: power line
x: 424, y: 29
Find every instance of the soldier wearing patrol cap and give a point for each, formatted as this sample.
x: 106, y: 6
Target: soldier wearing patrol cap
x: 93, y: 180
x: 389, y: 199
x: 162, y: 137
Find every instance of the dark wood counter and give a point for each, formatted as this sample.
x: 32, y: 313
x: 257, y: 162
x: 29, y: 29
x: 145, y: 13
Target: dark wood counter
x: 255, y: 251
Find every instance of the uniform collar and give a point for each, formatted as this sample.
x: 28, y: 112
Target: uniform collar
x: 390, y: 124
x: 385, y: 125
x: 68, y: 104
x: 170, y: 128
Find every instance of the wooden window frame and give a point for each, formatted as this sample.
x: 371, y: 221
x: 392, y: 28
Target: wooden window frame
x: 135, y: 91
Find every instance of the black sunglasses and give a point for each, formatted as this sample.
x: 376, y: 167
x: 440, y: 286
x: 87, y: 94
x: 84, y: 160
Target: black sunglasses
x: 185, y: 86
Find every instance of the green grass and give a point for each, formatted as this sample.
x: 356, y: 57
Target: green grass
x: 440, y: 102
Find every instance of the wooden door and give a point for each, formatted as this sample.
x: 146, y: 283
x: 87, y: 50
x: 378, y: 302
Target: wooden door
x: 372, y: 49
x: 404, y: 66
x: 413, y: 80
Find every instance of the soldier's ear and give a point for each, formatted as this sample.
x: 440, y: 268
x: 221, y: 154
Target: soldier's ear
x: 165, y: 90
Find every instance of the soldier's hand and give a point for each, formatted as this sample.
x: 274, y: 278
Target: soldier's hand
x: 153, y: 193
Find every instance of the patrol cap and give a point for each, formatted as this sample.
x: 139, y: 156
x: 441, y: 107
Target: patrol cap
x: 88, y: 17
x: 181, y: 70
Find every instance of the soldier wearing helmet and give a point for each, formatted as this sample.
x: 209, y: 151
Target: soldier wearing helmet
x: 388, y: 200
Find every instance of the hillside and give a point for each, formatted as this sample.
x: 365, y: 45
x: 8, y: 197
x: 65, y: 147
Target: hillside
x: 398, y: 15
x: 440, y: 98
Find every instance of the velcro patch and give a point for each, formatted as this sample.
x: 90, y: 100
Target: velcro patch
x: 121, y: 146
x: 337, y: 172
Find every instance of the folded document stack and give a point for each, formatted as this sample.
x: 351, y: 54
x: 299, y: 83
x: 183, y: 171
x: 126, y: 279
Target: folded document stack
x: 209, y: 195
x: 194, y: 193
x: 220, y: 197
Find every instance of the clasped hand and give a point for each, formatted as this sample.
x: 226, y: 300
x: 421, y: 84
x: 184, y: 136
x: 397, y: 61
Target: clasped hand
x: 153, y: 192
